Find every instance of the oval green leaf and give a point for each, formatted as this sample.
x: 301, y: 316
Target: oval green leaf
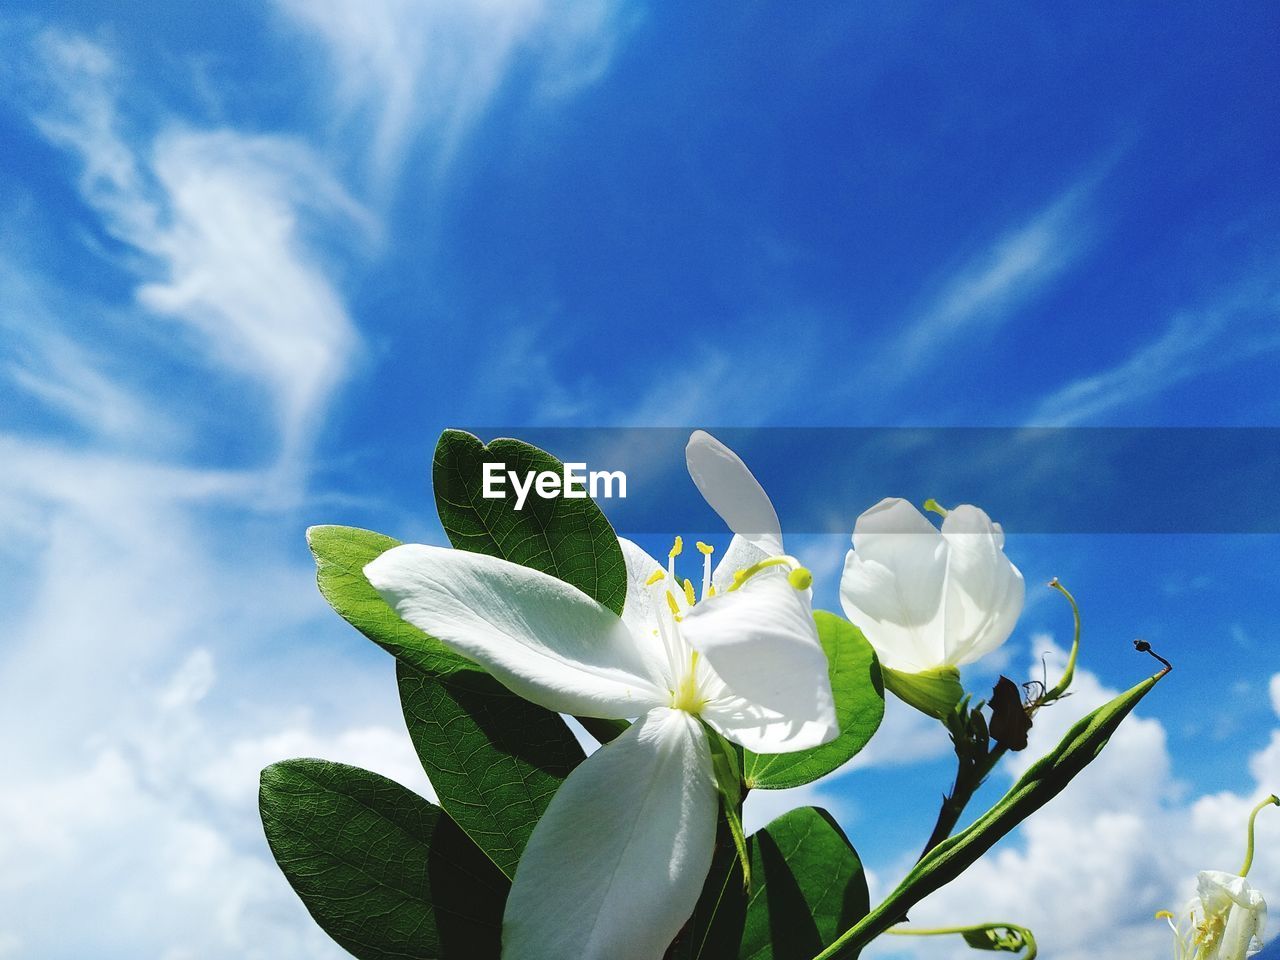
x: 567, y: 538
x: 494, y: 759
x: 341, y: 554
x: 808, y: 887
x: 385, y: 873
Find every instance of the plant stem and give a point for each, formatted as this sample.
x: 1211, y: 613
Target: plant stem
x: 1272, y: 800
x: 970, y: 775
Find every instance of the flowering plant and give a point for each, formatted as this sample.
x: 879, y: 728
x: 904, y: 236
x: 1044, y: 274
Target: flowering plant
x: 695, y: 695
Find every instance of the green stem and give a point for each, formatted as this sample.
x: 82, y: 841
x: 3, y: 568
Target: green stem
x: 969, y: 777
x: 1068, y: 675
x: 1271, y: 801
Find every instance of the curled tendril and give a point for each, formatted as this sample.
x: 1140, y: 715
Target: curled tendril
x: 997, y: 937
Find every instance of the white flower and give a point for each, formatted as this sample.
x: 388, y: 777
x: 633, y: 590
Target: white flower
x: 615, y: 866
x: 1225, y: 921
x: 929, y: 599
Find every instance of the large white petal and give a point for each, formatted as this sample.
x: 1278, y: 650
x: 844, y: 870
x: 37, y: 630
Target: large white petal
x: 892, y: 586
x: 544, y: 639
x: 733, y: 492
x: 985, y: 591
x: 762, y: 642
x: 616, y: 864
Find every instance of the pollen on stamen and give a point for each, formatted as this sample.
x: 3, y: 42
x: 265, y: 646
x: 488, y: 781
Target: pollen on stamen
x: 677, y: 548
x: 705, y: 549
x: 675, y: 607
x: 655, y: 577
x: 688, y: 592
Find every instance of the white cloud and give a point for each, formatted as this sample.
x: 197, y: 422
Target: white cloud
x: 1088, y: 871
x: 1193, y: 343
x: 153, y: 665
x: 220, y: 226
x: 413, y: 67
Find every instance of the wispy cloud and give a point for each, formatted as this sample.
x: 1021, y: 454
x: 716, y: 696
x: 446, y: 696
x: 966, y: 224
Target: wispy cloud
x: 988, y: 286
x: 219, y: 226
x: 1240, y: 325
x: 421, y: 67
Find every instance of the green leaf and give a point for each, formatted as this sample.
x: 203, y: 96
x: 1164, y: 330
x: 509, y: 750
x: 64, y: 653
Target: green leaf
x: 385, y: 873
x: 1043, y: 781
x: 494, y: 759
x: 809, y: 887
x: 341, y: 554
x: 567, y: 538
x: 859, y: 695
x: 728, y: 773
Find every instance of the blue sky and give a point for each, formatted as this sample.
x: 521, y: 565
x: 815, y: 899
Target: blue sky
x: 254, y: 258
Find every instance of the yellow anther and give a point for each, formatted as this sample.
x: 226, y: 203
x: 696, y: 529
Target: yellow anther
x: 706, y: 549
x: 800, y: 578
x: 676, y: 548
x: 671, y: 602
x: 1164, y: 915
x: 688, y: 592
x: 655, y: 577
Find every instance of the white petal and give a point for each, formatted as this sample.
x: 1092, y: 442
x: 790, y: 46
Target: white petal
x: 1243, y: 909
x: 984, y: 593
x: 892, y: 586
x: 542, y: 638
x: 616, y: 864
x: 741, y: 553
x: 763, y: 644
x: 731, y: 490
x: 763, y: 730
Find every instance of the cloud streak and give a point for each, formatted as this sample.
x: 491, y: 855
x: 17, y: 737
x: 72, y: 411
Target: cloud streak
x: 407, y: 69
x: 1193, y: 343
x: 984, y: 291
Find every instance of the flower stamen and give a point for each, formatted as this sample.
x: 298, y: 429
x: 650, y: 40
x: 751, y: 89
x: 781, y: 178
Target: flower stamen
x: 675, y: 607
x: 677, y: 548
x: 706, y: 550
x: 687, y: 696
x: 798, y: 576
